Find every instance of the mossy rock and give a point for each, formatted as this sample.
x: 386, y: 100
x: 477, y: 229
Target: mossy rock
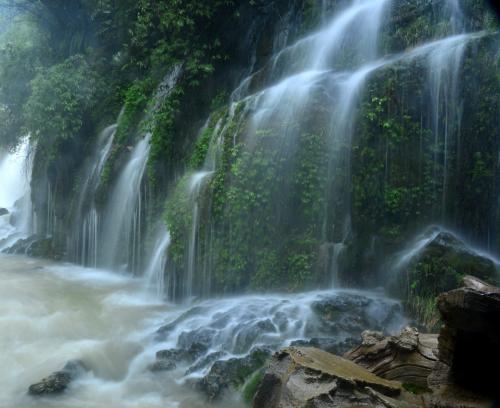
x: 440, y: 267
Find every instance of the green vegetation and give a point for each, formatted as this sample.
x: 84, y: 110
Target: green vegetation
x: 251, y: 386
x: 63, y: 93
x: 271, y: 210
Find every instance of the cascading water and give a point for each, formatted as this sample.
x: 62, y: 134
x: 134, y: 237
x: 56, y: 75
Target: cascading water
x: 444, y: 64
x: 297, y: 74
x: 15, y: 194
x: 328, y: 68
x: 155, y: 271
x: 304, y: 101
x: 123, y: 223
x: 195, y: 185
x: 86, y: 231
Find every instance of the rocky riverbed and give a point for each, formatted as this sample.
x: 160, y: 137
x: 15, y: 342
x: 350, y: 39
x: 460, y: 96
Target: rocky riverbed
x: 409, y: 369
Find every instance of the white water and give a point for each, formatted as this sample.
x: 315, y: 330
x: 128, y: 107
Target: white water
x: 51, y: 313
x: 123, y: 224
x: 15, y: 191
x: 444, y: 64
x: 86, y: 231
x: 335, y: 63
x: 155, y: 271
x: 196, y: 183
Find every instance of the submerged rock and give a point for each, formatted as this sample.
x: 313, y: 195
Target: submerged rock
x: 308, y: 377
x: 229, y: 342
x: 163, y: 332
x: 58, y: 381
x: 206, y: 361
x: 169, y: 359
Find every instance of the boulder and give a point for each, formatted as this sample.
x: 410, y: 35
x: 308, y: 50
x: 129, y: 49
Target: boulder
x: 408, y: 357
x: 439, y: 266
x: 164, y: 331
x: 348, y: 314
x: 232, y: 372
x: 3, y: 211
x: 58, y: 381
x: 309, y: 377
x: 36, y: 246
x: 167, y: 360
x: 205, y: 362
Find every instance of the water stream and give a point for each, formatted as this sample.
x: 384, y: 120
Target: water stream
x: 53, y: 312
x: 116, y: 320
x: 123, y: 226
x: 15, y: 190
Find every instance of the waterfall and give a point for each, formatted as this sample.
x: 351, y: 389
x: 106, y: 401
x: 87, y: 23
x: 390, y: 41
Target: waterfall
x: 275, y: 109
x: 155, y: 270
x: 332, y: 65
x: 15, y: 194
x: 86, y: 229
x: 444, y: 63
x: 123, y: 224
x: 196, y: 183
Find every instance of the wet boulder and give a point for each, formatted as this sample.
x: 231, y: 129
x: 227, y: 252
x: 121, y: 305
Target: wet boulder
x: 3, y: 211
x: 37, y: 247
x: 164, y: 331
x: 58, y: 381
x: 347, y: 315
x: 247, y: 336
x: 196, y: 339
x: 167, y: 360
x: 439, y: 266
x: 232, y: 372
x: 205, y: 361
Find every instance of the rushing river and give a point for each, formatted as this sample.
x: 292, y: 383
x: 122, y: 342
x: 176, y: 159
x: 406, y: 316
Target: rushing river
x: 51, y: 313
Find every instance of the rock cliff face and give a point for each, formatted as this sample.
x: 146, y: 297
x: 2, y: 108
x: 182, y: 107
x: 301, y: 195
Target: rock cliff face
x: 339, y: 175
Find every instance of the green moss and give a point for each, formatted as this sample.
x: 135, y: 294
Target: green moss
x: 136, y: 99
x: 178, y: 217
x: 251, y: 386
x: 165, y: 150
